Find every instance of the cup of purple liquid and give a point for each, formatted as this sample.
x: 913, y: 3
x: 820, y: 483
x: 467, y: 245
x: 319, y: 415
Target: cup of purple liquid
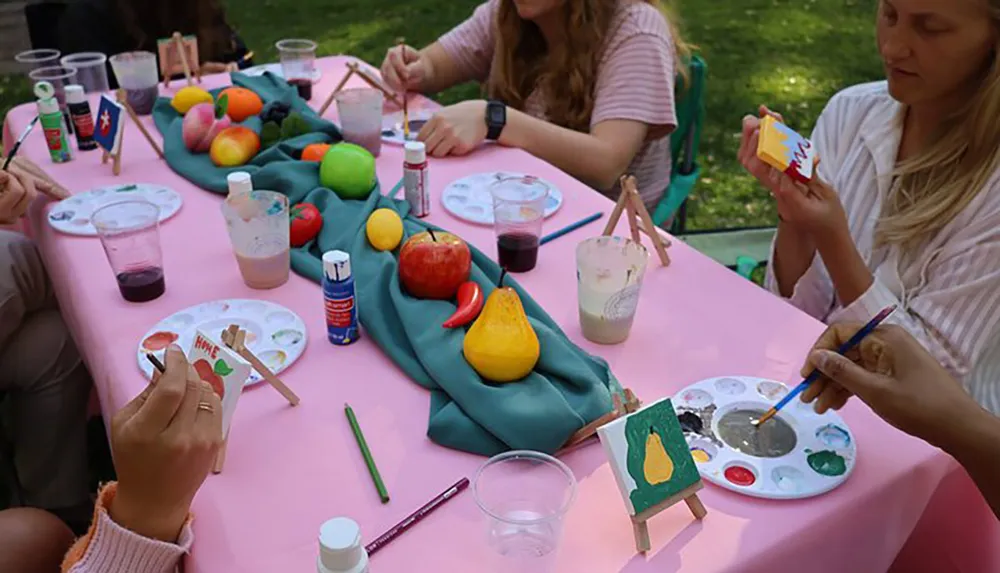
x: 130, y: 234
x: 518, y: 212
x: 298, y: 64
x: 136, y: 73
x: 359, y: 111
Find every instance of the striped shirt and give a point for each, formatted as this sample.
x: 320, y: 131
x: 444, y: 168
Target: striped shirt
x: 635, y: 81
x: 948, y: 289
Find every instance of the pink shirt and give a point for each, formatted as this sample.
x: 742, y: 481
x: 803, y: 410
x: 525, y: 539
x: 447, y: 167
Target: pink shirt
x: 635, y: 80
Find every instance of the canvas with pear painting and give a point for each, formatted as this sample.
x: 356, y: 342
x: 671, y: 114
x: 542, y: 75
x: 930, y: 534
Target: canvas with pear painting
x: 225, y: 370
x: 649, y: 456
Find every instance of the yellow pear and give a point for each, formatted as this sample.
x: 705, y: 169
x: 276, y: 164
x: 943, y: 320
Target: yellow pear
x: 501, y: 345
x: 657, y: 467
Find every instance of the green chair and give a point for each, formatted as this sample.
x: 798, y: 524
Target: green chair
x: 690, y: 105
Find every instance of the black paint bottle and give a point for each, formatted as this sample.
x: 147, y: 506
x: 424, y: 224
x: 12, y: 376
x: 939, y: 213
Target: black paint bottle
x: 83, y: 121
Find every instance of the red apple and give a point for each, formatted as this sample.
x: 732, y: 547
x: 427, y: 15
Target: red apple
x: 207, y: 374
x: 434, y: 264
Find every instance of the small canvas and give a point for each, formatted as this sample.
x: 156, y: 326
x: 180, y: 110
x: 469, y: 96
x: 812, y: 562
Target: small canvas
x: 110, y: 124
x: 649, y: 456
x: 225, y: 370
x: 170, y: 59
x: 785, y: 150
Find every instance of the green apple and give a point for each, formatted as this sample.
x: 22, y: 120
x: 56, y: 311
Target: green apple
x: 349, y: 170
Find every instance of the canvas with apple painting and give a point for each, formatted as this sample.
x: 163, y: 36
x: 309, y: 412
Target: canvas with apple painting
x: 652, y: 465
x: 223, y: 369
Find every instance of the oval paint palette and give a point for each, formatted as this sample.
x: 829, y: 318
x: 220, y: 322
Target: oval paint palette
x: 796, y: 454
x: 392, y: 126
x: 469, y: 198
x: 72, y: 215
x: 274, y: 333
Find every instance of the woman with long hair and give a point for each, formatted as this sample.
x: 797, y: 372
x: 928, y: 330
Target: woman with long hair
x: 905, y: 207
x: 587, y: 85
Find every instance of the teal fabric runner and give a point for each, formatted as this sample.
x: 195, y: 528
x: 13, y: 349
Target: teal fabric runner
x: 568, y: 388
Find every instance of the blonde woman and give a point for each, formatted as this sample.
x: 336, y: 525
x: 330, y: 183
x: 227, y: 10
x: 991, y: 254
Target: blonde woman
x: 906, y: 206
x: 587, y: 85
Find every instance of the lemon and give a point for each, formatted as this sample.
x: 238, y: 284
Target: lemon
x: 188, y: 97
x: 384, y: 229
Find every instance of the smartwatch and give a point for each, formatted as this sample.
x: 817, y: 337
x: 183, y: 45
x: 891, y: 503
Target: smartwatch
x: 496, y: 119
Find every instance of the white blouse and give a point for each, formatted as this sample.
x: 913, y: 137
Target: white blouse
x: 948, y: 290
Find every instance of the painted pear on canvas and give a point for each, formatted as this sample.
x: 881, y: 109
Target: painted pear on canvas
x: 501, y: 345
x: 658, y: 467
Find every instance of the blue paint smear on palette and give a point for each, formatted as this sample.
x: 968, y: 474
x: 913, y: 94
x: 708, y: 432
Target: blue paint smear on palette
x: 834, y: 436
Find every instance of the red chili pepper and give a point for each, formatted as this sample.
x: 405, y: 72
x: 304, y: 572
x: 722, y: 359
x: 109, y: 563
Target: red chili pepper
x: 470, y: 303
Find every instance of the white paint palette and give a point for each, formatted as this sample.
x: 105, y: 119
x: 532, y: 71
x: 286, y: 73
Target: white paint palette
x: 469, y: 197
x: 392, y: 126
x: 275, y: 334
x: 802, y: 454
x: 275, y: 69
x: 72, y: 215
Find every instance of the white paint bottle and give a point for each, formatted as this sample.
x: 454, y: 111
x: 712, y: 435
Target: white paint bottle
x: 415, y: 178
x: 340, y: 549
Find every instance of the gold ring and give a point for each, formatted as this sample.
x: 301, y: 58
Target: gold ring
x: 206, y: 407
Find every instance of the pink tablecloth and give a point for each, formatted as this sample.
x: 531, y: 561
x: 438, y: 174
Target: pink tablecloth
x: 289, y: 469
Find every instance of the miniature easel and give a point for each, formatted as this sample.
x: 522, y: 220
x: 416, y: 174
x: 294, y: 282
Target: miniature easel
x: 116, y: 166
x: 177, y: 42
x: 353, y: 68
x: 234, y: 338
x: 631, y: 203
x: 618, y: 410
x: 690, y: 496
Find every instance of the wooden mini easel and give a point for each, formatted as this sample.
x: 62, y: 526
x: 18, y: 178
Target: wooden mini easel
x: 630, y: 203
x: 690, y: 496
x: 234, y: 338
x: 618, y: 410
x: 116, y: 166
x: 179, y: 43
x: 353, y: 68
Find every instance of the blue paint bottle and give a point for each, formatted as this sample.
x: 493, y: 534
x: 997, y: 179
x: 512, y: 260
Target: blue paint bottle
x: 339, y: 299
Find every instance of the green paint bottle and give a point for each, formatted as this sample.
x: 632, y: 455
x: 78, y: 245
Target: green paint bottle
x: 52, y: 120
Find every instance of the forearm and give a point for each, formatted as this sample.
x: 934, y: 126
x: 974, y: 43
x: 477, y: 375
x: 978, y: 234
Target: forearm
x: 794, y: 252
x: 847, y: 269
x: 582, y: 155
x: 975, y: 446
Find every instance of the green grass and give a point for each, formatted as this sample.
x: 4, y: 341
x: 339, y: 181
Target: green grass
x: 790, y: 54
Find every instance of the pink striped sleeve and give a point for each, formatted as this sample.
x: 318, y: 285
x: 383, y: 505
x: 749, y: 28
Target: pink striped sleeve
x: 470, y: 44
x: 115, y: 549
x: 636, y: 77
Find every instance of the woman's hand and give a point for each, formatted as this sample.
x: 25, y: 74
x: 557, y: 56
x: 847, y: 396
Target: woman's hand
x: 18, y: 190
x: 456, y: 129
x: 403, y: 69
x: 164, y: 443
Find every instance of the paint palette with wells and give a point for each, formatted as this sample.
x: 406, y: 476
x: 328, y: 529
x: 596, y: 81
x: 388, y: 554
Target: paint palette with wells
x: 797, y: 454
x: 72, y: 215
x: 469, y: 198
x: 275, y: 334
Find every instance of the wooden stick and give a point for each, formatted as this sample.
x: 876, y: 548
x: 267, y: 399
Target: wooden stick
x: 336, y: 90
x: 647, y: 221
x: 641, y: 533
x: 135, y: 118
x: 696, y: 506
x: 619, y: 409
x: 179, y: 44
x: 633, y: 222
x: 616, y: 214
x: 234, y: 337
x: 220, y: 457
x: 374, y: 83
x: 690, y: 496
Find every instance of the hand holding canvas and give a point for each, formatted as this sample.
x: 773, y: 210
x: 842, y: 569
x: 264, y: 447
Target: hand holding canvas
x: 892, y: 373
x: 164, y: 444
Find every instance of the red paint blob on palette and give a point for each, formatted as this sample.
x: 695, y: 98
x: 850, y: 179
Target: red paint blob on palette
x: 740, y: 475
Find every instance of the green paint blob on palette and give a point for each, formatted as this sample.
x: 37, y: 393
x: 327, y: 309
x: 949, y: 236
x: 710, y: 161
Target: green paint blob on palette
x: 797, y: 454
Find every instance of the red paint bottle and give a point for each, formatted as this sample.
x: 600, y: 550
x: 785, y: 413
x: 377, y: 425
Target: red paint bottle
x: 415, y: 179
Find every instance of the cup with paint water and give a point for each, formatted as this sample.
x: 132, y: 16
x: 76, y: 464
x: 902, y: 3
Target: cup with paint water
x: 524, y: 496
x: 30, y: 60
x: 257, y: 222
x: 359, y: 111
x: 609, y: 273
x: 137, y: 74
x: 91, y: 70
x: 130, y: 235
x: 298, y: 64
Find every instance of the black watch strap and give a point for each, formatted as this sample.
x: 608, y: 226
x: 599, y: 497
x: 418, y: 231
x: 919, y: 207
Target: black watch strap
x: 496, y: 119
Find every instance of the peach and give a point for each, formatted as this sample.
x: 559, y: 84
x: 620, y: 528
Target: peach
x: 234, y: 146
x: 200, y: 127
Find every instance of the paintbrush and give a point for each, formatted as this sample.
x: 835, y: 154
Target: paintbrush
x: 406, y: 113
x: 815, y: 374
x: 17, y: 144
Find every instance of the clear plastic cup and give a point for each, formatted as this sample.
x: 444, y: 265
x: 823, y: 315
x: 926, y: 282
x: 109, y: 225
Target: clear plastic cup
x: 298, y: 64
x: 130, y: 234
x: 525, y: 496
x: 58, y: 76
x: 609, y: 273
x: 91, y: 70
x: 360, y: 114
x: 34, y: 59
x: 136, y: 73
x: 258, y: 230
x: 518, y: 213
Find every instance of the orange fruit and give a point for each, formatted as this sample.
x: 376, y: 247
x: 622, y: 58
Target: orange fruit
x: 315, y: 151
x: 243, y: 103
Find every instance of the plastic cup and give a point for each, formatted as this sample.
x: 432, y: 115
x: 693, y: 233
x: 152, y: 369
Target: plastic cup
x: 518, y: 212
x: 609, y: 273
x: 58, y: 76
x: 33, y: 59
x: 298, y: 64
x: 130, y: 234
x: 136, y: 73
x: 525, y: 496
x: 258, y: 230
x: 360, y: 113
x: 91, y: 70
